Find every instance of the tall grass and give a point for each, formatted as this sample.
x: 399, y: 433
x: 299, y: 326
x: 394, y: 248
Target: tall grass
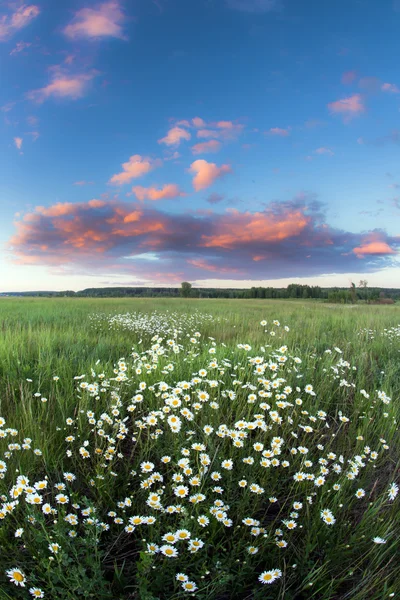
x: 349, y: 355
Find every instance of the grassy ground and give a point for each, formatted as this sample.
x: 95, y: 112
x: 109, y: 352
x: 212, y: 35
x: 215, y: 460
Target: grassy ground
x: 119, y: 416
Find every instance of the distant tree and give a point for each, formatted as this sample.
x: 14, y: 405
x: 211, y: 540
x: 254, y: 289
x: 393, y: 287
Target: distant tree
x: 353, y: 293
x: 363, y: 285
x: 186, y: 288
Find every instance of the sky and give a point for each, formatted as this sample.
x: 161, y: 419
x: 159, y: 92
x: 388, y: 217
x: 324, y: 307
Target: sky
x: 228, y: 143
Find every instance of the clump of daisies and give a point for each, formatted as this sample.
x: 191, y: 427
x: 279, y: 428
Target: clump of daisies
x: 187, y: 444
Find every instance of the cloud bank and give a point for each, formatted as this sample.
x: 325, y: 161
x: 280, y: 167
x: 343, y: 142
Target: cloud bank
x: 286, y: 239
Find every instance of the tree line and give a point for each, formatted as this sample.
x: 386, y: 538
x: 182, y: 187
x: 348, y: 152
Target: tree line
x: 341, y: 295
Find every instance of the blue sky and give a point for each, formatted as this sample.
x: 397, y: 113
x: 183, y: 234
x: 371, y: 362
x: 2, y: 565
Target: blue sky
x: 226, y: 142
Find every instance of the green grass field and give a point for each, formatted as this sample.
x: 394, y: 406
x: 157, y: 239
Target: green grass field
x: 165, y: 448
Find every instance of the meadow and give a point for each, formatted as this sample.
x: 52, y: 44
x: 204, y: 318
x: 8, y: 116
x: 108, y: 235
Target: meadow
x: 220, y: 449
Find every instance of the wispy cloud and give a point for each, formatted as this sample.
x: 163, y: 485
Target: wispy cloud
x: 18, y: 142
x: 215, y: 198
x: 20, y: 18
x: 83, y: 182
x: 135, y: 167
x: 278, y: 131
x: 7, y: 107
x: 223, y: 130
x: 32, y: 120
x: 20, y: 47
x: 390, y: 87
x: 106, y: 20
x: 35, y: 135
x: 206, y: 147
x: 324, y: 150
x: 167, y: 191
x: 206, y: 173
x: 350, y: 107
x: 174, y: 137
x: 63, y: 85
x: 349, y: 77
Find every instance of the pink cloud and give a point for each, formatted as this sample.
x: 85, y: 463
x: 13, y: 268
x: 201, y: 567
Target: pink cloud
x: 206, y: 147
x: 242, y: 228
x: 18, y: 142
x: 348, y: 77
x: 135, y: 167
x: 89, y: 237
x: 324, y: 150
x: 348, y: 107
x: 20, y: 47
x: 83, y: 182
x: 17, y: 20
x: 63, y: 86
x: 200, y: 263
x: 198, y: 122
x: 174, y: 136
x: 390, y: 87
x: 105, y: 20
x: 174, y: 156
x: 218, y: 130
x: 378, y: 248
x: 207, y: 133
x: 207, y: 173
x: 228, y: 129
x: 168, y: 191
x: 278, y: 131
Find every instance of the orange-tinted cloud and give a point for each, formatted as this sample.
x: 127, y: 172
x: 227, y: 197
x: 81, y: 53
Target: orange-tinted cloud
x: 105, y: 20
x: 206, y: 147
x: 63, y: 86
x: 168, y: 191
x: 349, y: 77
x: 17, y: 20
x: 324, y: 150
x: 373, y: 248
x: 287, y: 239
x: 175, y: 136
x: 204, y: 265
x: 349, y: 107
x: 207, y: 133
x: 221, y: 130
x: 206, y: 173
x: 18, y: 142
x: 198, y: 122
x: 136, y: 166
x: 391, y: 88
x: 278, y: 131
x: 241, y: 228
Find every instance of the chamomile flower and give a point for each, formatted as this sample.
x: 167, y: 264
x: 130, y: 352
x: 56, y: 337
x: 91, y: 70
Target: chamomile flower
x: 17, y: 577
x: 268, y: 577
